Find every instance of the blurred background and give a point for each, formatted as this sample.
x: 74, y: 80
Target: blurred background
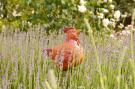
x: 52, y: 15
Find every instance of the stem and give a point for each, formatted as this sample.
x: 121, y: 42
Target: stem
x: 131, y: 42
x: 120, y: 66
x: 96, y: 53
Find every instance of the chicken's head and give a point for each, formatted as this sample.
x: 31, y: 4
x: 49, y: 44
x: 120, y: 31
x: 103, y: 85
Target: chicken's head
x: 71, y: 33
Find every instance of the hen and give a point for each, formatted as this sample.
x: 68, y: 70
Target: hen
x: 69, y: 53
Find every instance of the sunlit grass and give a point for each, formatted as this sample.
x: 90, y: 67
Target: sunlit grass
x: 108, y: 64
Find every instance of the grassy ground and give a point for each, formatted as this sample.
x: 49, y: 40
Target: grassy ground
x: 108, y: 64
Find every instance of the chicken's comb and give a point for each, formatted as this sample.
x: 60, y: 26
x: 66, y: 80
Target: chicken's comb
x: 66, y: 29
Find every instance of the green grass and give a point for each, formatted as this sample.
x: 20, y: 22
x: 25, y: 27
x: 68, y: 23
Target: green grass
x: 108, y: 64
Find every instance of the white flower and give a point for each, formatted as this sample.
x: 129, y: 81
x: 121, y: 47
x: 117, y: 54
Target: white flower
x: 105, y: 0
x: 29, y: 23
x: 33, y: 11
x: 124, y: 15
x: 125, y: 32
x: 82, y: 8
x: 110, y: 1
x: 113, y: 20
x: 15, y: 14
x: 112, y: 6
x: 112, y: 23
x: 130, y: 27
x: 105, y: 10
x: 105, y: 22
x: 128, y: 32
x: 82, y: 2
x: 112, y: 35
x: 126, y: 28
x: 1, y: 15
x: 117, y: 14
x: 121, y: 25
x: 100, y: 15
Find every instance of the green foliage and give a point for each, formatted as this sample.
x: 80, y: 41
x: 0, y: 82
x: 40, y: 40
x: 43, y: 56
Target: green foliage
x: 56, y: 14
x: 125, y: 5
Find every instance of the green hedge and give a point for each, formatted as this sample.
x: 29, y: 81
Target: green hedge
x: 56, y: 14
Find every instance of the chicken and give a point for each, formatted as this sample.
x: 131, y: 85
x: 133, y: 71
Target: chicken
x: 68, y: 54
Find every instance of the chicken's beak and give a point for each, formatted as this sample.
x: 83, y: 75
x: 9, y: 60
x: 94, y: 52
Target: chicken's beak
x: 78, y: 41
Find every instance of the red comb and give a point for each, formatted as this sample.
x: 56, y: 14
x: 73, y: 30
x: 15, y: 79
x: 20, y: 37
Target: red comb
x: 67, y: 29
